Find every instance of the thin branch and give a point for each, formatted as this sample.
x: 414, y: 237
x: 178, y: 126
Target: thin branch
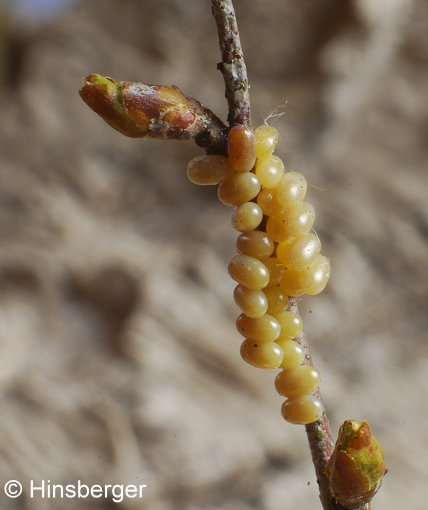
x: 319, y: 436
x: 232, y: 65
x: 235, y: 78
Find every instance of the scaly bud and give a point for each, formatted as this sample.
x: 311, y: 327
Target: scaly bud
x: 356, y: 468
x: 152, y: 111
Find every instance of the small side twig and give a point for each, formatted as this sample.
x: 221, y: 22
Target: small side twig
x: 237, y: 94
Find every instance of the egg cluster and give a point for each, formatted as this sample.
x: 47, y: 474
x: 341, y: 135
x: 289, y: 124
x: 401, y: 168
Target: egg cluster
x: 278, y: 256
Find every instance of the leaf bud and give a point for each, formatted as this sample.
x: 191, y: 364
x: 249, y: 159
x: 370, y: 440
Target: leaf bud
x: 151, y: 111
x: 356, y: 467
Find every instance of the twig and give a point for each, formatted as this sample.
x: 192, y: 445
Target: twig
x: 235, y: 78
x: 319, y: 436
x: 232, y: 65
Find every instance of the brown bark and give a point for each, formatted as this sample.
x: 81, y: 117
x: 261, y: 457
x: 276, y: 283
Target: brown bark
x: 232, y: 63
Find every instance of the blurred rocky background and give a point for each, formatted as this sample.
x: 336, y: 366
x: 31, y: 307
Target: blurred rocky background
x: 119, y: 355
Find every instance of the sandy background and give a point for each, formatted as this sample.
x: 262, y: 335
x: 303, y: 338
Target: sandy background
x: 119, y: 355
